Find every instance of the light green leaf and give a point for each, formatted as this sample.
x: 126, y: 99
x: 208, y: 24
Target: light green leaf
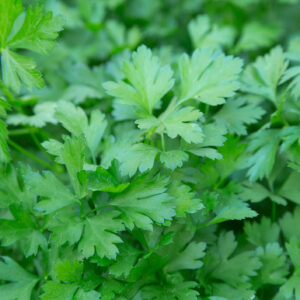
x: 17, y: 69
x: 263, y: 147
x: 262, y: 77
x: 208, y: 76
x: 100, y: 235
x: 53, y: 193
x: 21, y: 283
x: 38, y: 31
x: 145, y: 201
x: 173, y: 158
x: 149, y: 81
x: 178, y: 124
x: 204, y: 33
x: 139, y: 157
x: 236, y: 114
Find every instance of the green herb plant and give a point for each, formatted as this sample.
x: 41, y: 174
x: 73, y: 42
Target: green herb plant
x: 149, y: 150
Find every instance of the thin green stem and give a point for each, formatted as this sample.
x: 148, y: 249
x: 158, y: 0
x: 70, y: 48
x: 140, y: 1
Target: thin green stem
x: 163, y: 141
x: 22, y: 131
x: 95, y: 209
x: 6, y: 92
x: 30, y: 155
x: 274, y: 211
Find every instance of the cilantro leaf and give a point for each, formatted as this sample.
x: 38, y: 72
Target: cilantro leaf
x: 274, y: 268
x: 236, y: 114
x: 38, y: 31
x: 139, y: 157
x: 21, y: 282
x: 173, y: 159
x: 208, y: 76
x: 149, y: 82
x: 213, y: 137
x: 145, y: 201
x: 291, y: 288
x: 100, y: 235
x: 33, y: 31
x: 263, y: 145
x: 204, y: 33
x: 263, y: 233
x: 184, y: 199
x: 262, y: 77
x: 4, y: 152
x: 175, y: 289
x: 53, y: 193
x: 178, y: 123
x: 17, y: 68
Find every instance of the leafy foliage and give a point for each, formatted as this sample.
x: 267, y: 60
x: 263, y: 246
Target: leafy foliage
x: 149, y: 150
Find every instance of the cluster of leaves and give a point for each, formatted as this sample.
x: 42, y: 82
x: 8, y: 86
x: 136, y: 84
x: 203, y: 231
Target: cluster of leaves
x: 152, y: 153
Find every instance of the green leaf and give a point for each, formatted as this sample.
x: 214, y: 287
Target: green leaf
x: 184, y: 199
x: 173, y: 159
x: 178, y: 124
x: 289, y: 224
x: 100, y: 235
x: 9, y: 11
x: 69, y: 271
x: 103, y: 180
x: 174, y: 290
x: 58, y: 291
x: 17, y: 69
x: 274, y: 267
x: 4, y: 151
x: 125, y: 137
x: 291, y: 288
x: 236, y: 114
x: 256, y: 35
x: 204, y: 33
x: 289, y: 189
x: 208, y: 76
x: 43, y: 114
x: 262, y: 77
x: 139, y: 157
x: 53, y: 193
x: 263, y: 146
x: 149, y: 81
x: 231, y: 206
x: 64, y: 229
x: 83, y: 295
x: 94, y: 132
x: 38, y: 31
x: 263, y: 233
x: 75, y: 120
x: 126, y: 259
x: 21, y: 282
x: 145, y: 201
x: 189, y: 258
x: 72, y: 154
x: 71, y: 117
x: 235, y: 270
x: 213, y: 137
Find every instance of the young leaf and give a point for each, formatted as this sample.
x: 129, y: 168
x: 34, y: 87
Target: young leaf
x: 145, y: 201
x: 100, y: 235
x: 208, y: 76
x: 53, y: 193
x: 139, y: 157
x: 149, y: 81
x: 236, y: 114
x: 21, y: 282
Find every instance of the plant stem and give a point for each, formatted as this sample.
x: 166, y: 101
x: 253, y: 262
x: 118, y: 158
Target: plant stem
x: 6, y: 92
x: 30, y: 155
x: 22, y: 131
x: 95, y: 209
